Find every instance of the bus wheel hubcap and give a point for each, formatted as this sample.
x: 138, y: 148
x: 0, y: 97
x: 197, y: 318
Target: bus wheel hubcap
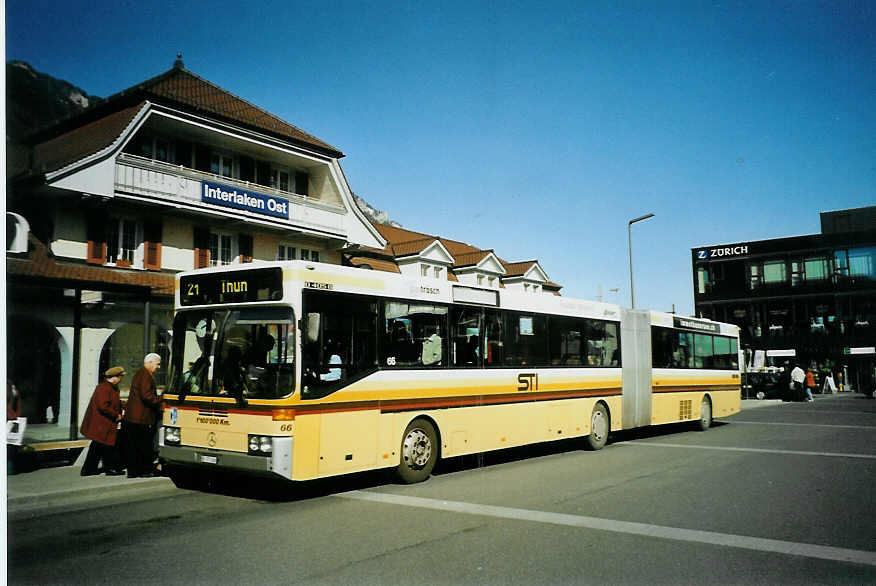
x: 417, y: 449
x: 598, y: 425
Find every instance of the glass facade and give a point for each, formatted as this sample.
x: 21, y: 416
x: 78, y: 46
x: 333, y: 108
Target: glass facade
x: 815, y: 295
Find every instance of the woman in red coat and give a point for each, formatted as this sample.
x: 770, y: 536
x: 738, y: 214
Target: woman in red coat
x: 100, y: 425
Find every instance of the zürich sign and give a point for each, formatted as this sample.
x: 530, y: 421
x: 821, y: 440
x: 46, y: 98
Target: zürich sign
x: 721, y: 251
x: 231, y: 197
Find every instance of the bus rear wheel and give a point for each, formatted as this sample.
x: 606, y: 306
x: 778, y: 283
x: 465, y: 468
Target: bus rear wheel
x: 705, y: 420
x: 419, y: 452
x: 599, y: 428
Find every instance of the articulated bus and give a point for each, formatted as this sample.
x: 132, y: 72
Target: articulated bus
x: 303, y: 370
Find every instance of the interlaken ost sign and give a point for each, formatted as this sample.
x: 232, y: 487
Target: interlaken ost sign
x: 232, y: 197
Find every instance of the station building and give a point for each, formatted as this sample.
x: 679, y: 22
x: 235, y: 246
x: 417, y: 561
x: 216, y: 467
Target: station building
x: 170, y: 175
x: 810, y: 299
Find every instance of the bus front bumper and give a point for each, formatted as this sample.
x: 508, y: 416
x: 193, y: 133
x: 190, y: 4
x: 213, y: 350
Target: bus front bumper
x: 278, y: 463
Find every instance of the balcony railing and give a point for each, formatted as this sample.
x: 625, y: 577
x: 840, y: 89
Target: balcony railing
x: 176, y: 184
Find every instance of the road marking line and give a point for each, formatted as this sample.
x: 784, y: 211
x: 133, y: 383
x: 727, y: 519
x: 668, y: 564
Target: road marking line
x: 674, y: 533
x: 755, y: 450
x: 805, y: 424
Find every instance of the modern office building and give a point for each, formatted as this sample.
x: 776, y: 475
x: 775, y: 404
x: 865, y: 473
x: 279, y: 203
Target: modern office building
x: 806, y: 298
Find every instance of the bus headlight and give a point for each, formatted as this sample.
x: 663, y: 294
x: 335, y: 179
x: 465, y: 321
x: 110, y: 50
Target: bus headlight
x: 260, y: 445
x: 171, y: 436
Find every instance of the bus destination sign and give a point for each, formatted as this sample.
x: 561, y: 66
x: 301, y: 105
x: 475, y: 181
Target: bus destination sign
x: 690, y: 324
x: 265, y: 284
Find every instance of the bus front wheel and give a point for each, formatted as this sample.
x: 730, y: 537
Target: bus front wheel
x: 419, y: 452
x: 599, y: 428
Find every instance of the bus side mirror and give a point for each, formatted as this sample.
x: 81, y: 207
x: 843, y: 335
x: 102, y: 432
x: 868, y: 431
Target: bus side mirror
x: 312, y: 331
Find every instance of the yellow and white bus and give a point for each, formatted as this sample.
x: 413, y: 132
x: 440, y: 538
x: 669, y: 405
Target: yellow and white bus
x: 304, y: 370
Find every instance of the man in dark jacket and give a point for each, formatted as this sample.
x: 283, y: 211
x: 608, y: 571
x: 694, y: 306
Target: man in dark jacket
x: 100, y: 425
x: 141, y: 415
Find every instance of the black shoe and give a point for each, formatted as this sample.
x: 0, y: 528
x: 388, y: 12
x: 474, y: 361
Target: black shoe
x: 147, y: 475
x: 114, y: 472
x: 84, y: 473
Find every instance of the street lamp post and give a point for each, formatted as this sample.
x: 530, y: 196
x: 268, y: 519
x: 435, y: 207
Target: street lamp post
x: 630, y: 242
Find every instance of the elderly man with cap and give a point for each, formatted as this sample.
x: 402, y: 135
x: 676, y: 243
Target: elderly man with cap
x: 100, y: 425
x: 141, y: 415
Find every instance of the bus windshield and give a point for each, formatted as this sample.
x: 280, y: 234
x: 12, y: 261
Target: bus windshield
x: 241, y: 353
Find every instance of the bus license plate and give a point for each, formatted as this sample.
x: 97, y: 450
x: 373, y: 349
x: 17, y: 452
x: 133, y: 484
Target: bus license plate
x: 209, y: 459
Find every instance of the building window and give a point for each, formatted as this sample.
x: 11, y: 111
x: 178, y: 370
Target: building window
x: 797, y: 275
x: 151, y: 147
x: 221, y: 164
x: 815, y: 268
x: 774, y: 271
x: 285, y: 252
x: 480, y: 280
x: 841, y: 263
x: 311, y: 255
x: 702, y: 279
x: 424, y: 271
x: 123, y: 241
x: 280, y: 179
x: 753, y: 276
x: 437, y: 271
x: 492, y: 282
x: 221, y: 249
x: 862, y: 262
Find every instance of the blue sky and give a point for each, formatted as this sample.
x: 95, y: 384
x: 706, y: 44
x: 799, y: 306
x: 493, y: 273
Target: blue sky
x: 537, y: 129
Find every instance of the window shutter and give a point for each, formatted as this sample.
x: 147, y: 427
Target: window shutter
x: 202, y: 247
x: 244, y: 244
x: 152, y: 246
x: 96, y: 235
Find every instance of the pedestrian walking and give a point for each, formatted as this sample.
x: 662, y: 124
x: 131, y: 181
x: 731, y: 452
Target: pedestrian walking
x: 141, y: 416
x: 810, y: 384
x: 798, y: 377
x: 101, y: 423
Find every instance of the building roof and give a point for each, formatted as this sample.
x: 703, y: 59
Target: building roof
x: 97, y: 127
x: 38, y: 262
x: 402, y: 242
x: 72, y: 146
x: 181, y: 86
